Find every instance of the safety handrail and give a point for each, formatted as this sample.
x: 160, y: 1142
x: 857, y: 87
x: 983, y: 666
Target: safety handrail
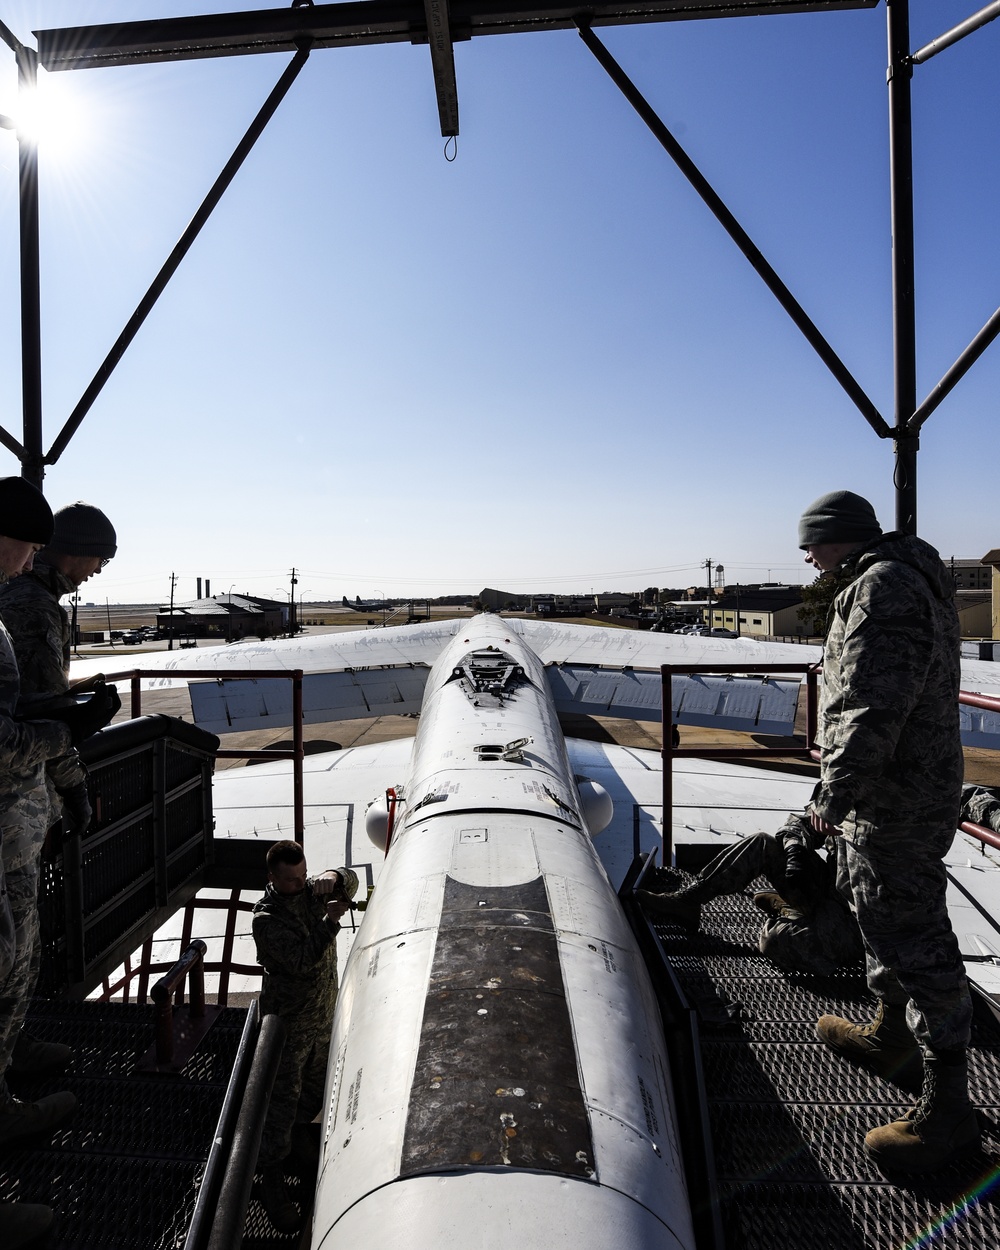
x: 988, y: 836
x: 225, y: 967
x: 222, y: 1141
x: 985, y: 702
x: 191, y: 962
x: 669, y: 751
x: 234, y: 1195
x: 682, y: 1039
x: 296, y: 754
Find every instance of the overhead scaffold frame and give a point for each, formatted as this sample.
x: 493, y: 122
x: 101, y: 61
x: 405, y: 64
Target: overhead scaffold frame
x: 306, y: 27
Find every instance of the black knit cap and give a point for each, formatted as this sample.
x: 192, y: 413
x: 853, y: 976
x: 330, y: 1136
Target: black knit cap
x: 83, y: 530
x: 839, y: 517
x: 24, y: 514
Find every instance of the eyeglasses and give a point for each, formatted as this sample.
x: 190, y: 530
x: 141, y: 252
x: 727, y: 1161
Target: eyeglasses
x: 106, y: 561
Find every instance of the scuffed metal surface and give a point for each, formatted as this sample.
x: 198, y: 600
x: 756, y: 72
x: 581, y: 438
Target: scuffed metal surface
x: 496, y: 1081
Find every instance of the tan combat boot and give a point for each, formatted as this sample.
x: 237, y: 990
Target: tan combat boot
x: 885, y: 1046
x: 682, y: 908
x: 940, y: 1126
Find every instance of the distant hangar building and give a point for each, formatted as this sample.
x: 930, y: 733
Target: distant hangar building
x: 761, y: 612
x: 225, y: 616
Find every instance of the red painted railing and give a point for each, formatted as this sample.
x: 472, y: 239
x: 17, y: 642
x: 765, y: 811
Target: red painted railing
x: 985, y: 702
x: 670, y: 752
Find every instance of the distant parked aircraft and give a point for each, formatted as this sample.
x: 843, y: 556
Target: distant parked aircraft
x: 367, y: 605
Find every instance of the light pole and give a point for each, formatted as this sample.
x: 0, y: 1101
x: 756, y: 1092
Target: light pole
x: 229, y: 615
x: 280, y: 590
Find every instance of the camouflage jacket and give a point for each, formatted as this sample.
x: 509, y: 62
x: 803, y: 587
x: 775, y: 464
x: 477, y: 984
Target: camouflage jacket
x: 40, y: 631
x: 298, y: 952
x: 888, y: 725
x: 24, y: 745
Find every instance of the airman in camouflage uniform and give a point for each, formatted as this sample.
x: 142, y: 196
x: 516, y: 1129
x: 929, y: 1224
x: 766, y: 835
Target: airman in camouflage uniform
x: 25, y: 525
x: 809, y: 925
x: 889, y: 791
x: 83, y: 540
x: 295, y: 928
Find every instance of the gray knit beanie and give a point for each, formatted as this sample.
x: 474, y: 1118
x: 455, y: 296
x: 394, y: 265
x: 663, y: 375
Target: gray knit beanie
x: 839, y: 517
x: 83, y: 530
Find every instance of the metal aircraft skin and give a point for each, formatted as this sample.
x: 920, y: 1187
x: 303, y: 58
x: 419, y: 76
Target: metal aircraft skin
x: 509, y: 817
x: 497, y: 1054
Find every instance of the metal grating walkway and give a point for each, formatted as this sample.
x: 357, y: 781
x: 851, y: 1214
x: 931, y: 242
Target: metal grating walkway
x: 788, y: 1117
x: 123, y: 1173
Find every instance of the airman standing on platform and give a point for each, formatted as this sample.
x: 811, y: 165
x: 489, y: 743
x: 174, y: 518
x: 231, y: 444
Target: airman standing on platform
x: 25, y: 526
x: 82, y: 543
x: 890, y: 786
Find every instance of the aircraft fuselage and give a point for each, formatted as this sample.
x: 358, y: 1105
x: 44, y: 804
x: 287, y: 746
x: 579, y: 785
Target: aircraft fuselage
x: 498, y: 1074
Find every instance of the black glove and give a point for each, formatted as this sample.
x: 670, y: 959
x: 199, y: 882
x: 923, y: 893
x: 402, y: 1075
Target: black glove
x: 76, y: 807
x: 87, y: 717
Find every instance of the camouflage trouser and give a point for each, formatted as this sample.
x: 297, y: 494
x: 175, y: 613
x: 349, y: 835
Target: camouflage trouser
x: 981, y: 806
x: 896, y: 878
x: 8, y: 939
x: 23, y: 828
x: 297, y: 1095
x: 816, y: 938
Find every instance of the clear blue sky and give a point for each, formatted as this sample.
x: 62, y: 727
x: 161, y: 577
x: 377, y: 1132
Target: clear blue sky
x: 541, y: 366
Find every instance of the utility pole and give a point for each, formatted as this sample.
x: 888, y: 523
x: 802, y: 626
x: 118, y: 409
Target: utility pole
x: 708, y: 565
x: 291, y: 605
x: 173, y: 579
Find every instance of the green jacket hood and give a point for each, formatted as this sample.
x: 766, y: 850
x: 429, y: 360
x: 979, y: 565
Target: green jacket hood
x: 906, y: 549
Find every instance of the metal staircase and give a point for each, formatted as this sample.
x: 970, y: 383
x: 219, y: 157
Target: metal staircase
x: 123, y: 1174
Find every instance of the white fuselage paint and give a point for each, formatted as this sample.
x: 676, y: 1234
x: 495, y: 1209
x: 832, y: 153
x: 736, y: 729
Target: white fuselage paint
x: 496, y: 823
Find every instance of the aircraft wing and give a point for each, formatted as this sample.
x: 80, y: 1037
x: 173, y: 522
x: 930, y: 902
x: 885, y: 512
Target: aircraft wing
x: 558, y: 643
x: 980, y: 728
x: 352, y: 650
x: 591, y: 670
x: 981, y: 677
x: 752, y: 704
x: 256, y: 801
x: 714, y: 801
